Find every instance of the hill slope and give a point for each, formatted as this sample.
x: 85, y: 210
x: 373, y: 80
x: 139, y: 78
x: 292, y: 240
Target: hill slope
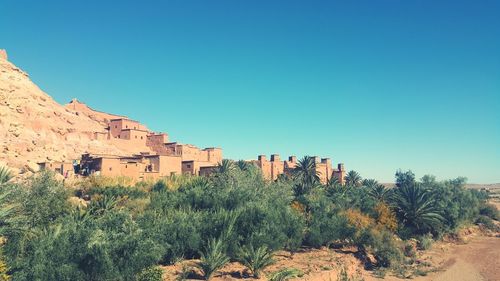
x: 35, y: 128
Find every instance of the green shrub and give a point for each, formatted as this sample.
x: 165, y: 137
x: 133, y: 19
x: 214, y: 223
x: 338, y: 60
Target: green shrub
x: 256, y: 259
x: 487, y: 222
x: 490, y: 211
x: 425, y: 242
x: 5, y: 175
x: 153, y: 273
x: 285, y: 274
x: 383, y: 245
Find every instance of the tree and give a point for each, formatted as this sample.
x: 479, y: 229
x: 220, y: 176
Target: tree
x: 379, y: 192
x: 333, y: 182
x: 404, y: 178
x: 306, y: 175
x: 243, y: 165
x: 226, y: 166
x: 353, y: 178
x: 369, y: 183
x: 417, y: 209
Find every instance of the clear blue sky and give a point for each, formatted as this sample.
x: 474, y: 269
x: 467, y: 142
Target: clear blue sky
x: 378, y: 85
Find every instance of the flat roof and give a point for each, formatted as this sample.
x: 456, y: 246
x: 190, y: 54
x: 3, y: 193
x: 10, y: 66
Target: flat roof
x: 125, y: 119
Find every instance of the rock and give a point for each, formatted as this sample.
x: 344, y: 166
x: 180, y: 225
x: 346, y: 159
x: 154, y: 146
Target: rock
x: 32, y: 167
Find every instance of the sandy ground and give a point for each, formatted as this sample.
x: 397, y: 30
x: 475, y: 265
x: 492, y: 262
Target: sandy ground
x: 475, y: 258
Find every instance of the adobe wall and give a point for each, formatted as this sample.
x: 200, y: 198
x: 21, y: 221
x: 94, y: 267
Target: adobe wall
x: 324, y: 169
x: 195, y: 167
x: 340, y: 173
x: 109, y: 167
x: 170, y: 165
x: 131, y: 169
x: 116, y: 126
x: 270, y: 169
x: 128, y: 145
x: 189, y: 167
x: 57, y: 167
x: 136, y: 136
x: 214, y: 155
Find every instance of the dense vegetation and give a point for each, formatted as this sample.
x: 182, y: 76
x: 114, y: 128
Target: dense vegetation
x: 233, y: 215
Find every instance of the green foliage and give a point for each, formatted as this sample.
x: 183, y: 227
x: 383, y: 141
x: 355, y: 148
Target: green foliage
x: 44, y: 200
x: 5, y: 175
x: 153, y: 273
x: 52, y: 242
x: 256, y: 259
x: 285, y: 274
x: 119, y: 191
x: 102, y: 204
x: 180, y: 217
x: 212, y: 258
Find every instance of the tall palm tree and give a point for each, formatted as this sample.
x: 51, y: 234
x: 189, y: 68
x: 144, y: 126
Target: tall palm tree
x: 417, y: 208
x: 353, y: 178
x: 306, y: 175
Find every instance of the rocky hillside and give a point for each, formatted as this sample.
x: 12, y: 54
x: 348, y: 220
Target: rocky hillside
x: 35, y: 128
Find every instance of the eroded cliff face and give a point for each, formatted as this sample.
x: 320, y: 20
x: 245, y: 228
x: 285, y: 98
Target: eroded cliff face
x: 35, y: 128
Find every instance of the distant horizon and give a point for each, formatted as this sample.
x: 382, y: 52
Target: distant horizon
x: 378, y: 87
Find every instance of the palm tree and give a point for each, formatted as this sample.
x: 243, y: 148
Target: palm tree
x: 353, y: 178
x: 417, y: 208
x: 306, y: 170
x: 256, y: 259
x: 379, y: 192
x: 226, y: 166
x: 5, y: 175
x: 369, y: 183
x: 212, y: 258
x: 243, y: 165
x: 306, y: 174
x: 333, y: 182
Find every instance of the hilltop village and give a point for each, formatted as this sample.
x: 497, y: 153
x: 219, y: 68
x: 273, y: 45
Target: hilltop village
x: 156, y: 157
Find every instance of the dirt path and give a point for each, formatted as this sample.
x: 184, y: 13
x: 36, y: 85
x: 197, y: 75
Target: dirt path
x: 477, y: 260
